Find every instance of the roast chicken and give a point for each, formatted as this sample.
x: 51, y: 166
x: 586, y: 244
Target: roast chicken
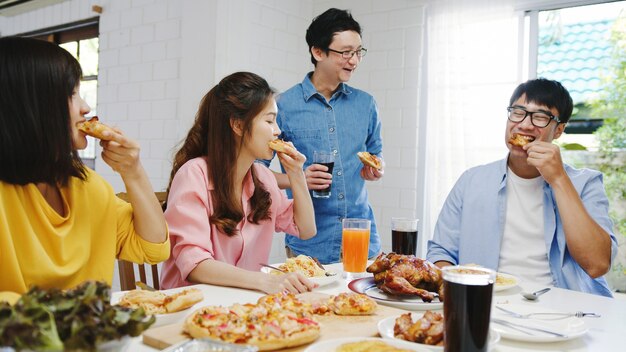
x: 407, y: 275
x: 428, y: 329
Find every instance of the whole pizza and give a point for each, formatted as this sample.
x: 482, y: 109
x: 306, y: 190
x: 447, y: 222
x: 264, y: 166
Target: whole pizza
x: 274, y: 322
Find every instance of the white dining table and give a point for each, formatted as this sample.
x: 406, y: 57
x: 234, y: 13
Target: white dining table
x: 607, y: 333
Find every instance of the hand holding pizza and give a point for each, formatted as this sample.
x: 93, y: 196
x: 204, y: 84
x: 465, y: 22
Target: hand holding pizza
x: 546, y: 157
x: 121, y: 153
x: 373, y: 166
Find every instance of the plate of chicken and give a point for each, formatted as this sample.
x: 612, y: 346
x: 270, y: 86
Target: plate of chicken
x: 402, y: 281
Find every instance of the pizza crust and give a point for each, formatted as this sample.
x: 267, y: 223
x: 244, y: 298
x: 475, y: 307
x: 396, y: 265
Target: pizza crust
x: 157, y: 302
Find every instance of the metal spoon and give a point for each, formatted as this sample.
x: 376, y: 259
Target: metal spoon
x: 533, y: 296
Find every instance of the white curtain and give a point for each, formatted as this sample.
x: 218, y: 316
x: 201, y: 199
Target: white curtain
x: 474, y: 59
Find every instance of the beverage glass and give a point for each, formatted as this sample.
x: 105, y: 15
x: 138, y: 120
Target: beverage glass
x: 355, y: 246
x: 327, y: 159
x: 467, y: 307
x: 404, y: 235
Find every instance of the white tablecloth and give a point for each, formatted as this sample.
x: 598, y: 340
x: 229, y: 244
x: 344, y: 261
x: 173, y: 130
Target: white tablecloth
x: 607, y: 333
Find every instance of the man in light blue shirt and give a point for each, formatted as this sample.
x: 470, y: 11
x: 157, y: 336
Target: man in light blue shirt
x: 323, y: 113
x: 530, y: 214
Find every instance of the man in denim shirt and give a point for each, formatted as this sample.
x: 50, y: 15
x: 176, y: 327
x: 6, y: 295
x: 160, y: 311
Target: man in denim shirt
x: 530, y: 214
x: 323, y: 113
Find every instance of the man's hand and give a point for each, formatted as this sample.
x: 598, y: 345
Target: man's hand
x: 546, y: 157
x: 317, y: 177
x: 369, y: 173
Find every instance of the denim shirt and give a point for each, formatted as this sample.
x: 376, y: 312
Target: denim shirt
x: 471, y: 224
x: 345, y: 125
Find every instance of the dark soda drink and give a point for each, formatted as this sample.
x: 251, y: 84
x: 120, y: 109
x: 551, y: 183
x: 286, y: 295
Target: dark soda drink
x: 403, y: 242
x: 466, y: 312
x: 324, y: 193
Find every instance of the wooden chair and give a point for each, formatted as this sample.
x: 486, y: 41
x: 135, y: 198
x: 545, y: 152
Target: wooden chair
x: 127, y: 269
x: 127, y: 275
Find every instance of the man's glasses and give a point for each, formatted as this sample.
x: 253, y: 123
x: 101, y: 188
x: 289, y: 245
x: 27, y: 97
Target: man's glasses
x: 348, y: 54
x: 537, y: 118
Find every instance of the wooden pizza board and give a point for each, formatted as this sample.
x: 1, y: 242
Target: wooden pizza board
x: 332, y: 326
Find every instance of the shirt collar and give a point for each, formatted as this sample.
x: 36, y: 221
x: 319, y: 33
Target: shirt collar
x: 308, y: 89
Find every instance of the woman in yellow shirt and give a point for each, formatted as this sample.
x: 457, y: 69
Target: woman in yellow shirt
x: 60, y: 222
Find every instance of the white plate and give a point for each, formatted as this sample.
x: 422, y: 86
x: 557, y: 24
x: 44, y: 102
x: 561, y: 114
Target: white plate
x: 163, y: 319
x: 502, y: 287
x: 320, y: 280
x: 331, y: 345
x: 367, y: 287
x: 385, y: 329
x: 571, y: 326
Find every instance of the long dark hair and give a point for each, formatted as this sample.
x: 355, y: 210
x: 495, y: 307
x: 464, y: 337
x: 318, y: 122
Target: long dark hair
x: 37, y: 79
x: 240, y: 96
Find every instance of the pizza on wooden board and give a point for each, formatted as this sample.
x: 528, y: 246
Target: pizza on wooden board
x: 276, y: 321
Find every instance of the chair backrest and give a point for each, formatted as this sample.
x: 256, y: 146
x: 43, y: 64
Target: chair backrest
x: 127, y: 269
x: 127, y: 275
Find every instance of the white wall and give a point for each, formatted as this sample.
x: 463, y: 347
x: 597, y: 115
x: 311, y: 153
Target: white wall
x: 159, y: 57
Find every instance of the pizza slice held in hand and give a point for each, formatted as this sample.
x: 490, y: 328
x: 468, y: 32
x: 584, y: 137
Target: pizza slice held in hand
x: 370, y: 160
x: 95, y: 128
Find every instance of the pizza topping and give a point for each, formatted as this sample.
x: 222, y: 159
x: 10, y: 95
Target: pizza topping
x: 352, y: 304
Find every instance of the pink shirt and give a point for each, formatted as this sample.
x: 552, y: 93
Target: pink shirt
x: 194, y: 239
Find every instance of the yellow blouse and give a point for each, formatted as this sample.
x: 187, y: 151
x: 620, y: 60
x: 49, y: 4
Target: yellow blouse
x: 40, y: 247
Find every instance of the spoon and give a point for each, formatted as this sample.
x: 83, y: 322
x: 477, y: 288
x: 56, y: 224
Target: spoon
x: 533, y: 296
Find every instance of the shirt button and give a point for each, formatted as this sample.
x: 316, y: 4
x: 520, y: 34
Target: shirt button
x: 332, y: 129
x: 340, y: 195
x: 339, y: 173
x: 329, y: 108
x: 335, y: 151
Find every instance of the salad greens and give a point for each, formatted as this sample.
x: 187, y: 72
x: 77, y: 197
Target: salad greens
x: 70, y: 320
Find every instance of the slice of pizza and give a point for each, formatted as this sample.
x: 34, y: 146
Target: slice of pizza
x: 95, y: 128
x: 279, y: 145
x: 520, y: 140
x: 352, y: 304
x: 370, y: 160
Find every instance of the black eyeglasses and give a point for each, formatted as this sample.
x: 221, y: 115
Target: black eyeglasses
x: 348, y: 54
x: 537, y: 118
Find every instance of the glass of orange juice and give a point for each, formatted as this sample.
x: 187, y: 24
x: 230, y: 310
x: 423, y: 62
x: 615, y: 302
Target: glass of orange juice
x: 355, y: 246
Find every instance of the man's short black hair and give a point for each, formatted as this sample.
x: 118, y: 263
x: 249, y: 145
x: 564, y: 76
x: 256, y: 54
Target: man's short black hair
x: 546, y: 92
x: 321, y: 31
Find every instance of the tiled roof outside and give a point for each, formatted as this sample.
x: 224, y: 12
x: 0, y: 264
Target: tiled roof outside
x: 576, y: 58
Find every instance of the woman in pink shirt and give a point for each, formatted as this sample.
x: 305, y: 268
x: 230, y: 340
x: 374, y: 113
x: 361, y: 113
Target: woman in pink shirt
x: 222, y: 207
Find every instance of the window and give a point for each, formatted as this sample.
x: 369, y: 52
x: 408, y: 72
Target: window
x: 81, y: 40
x: 574, y: 47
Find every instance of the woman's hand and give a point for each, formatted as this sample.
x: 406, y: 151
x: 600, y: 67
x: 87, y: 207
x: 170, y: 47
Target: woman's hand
x: 292, y: 160
x: 121, y: 153
x: 290, y: 282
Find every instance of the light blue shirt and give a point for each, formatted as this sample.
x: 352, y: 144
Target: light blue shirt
x: 471, y: 224
x: 345, y: 125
